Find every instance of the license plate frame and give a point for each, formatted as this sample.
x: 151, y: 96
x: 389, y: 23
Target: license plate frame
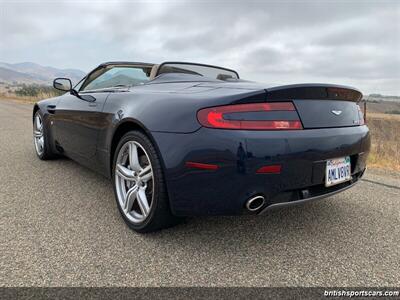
x: 337, y: 170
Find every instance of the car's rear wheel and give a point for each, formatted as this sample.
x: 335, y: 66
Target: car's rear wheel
x: 40, y: 139
x: 139, y: 184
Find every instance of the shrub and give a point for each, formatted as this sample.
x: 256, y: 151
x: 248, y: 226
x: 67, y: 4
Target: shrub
x: 37, y: 91
x: 393, y: 112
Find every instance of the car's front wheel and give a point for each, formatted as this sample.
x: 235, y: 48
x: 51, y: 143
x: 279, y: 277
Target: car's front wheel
x: 139, y: 184
x: 40, y: 138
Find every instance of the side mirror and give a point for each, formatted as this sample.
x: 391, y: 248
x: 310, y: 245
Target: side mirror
x: 62, y: 84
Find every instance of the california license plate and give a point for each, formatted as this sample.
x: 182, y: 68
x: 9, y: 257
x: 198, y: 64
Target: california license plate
x: 338, y: 170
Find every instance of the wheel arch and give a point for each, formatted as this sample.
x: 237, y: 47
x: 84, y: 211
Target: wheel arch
x: 129, y: 125
x: 124, y: 127
x: 35, y: 109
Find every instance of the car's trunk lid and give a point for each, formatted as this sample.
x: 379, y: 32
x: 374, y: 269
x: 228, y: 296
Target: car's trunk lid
x: 321, y: 105
x: 327, y: 113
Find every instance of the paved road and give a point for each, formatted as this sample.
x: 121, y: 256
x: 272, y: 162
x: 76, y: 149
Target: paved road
x: 59, y: 226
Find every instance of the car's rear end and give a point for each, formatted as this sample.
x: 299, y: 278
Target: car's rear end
x: 298, y: 143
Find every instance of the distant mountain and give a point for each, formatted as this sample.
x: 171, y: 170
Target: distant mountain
x: 8, y: 75
x: 30, y: 73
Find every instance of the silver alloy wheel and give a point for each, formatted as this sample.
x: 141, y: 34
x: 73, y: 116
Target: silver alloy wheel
x: 134, y: 181
x: 38, y: 136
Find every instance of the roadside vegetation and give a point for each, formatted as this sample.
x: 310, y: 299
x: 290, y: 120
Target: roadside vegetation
x: 385, y: 139
x: 27, y: 92
x: 393, y: 112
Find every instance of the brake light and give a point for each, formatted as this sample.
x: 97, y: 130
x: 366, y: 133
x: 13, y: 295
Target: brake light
x: 254, y: 116
x: 361, y: 114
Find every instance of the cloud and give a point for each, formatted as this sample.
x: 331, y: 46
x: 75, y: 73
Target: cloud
x: 354, y: 43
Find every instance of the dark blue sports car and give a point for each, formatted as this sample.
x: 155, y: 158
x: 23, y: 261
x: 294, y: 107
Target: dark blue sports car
x: 184, y: 139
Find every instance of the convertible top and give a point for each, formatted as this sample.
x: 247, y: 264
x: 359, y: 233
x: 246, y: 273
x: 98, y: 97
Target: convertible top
x: 170, y: 67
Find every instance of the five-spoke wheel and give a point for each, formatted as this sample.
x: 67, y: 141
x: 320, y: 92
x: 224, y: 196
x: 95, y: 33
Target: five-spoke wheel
x: 38, y: 134
x: 134, y: 181
x: 139, y: 184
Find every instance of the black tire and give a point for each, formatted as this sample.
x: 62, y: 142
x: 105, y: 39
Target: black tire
x: 46, y: 154
x: 160, y: 215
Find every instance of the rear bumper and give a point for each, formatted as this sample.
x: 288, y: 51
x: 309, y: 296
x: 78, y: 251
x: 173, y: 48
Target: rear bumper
x: 302, y: 155
x: 327, y: 193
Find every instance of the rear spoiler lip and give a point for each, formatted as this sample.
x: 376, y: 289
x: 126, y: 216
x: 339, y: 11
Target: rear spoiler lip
x: 277, y: 93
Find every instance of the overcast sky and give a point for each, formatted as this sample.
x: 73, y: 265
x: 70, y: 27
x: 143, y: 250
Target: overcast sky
x: 278, y: 42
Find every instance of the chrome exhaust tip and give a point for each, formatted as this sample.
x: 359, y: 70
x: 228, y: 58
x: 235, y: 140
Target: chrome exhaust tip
x: 255, y: 203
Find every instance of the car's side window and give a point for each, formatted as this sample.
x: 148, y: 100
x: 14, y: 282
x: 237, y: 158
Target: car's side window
x: 116, y: 77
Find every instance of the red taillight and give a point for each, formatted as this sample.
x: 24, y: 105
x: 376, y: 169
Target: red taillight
x: 361, y: 114
x: 215, y: 117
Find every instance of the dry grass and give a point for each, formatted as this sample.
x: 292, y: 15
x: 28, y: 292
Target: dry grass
x: 385, y: 139
x: 25, y: 99
x: 27, y: 93
x: 381, y: 116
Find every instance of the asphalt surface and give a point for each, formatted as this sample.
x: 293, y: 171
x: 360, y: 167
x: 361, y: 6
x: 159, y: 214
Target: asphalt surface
x: 59, y: 226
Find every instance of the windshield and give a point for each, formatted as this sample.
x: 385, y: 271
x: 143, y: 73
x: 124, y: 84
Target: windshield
x: 116, y: 76
x: 198, y: 69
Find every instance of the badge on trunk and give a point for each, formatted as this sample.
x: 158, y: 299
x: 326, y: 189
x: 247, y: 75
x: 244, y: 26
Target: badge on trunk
x: 336, y: 112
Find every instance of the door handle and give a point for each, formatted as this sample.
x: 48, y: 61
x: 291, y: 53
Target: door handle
x: 92, y: 104
x: 51, y: 109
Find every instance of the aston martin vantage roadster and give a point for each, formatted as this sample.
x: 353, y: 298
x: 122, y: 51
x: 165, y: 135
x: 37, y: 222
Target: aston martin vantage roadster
x: 184, y: 139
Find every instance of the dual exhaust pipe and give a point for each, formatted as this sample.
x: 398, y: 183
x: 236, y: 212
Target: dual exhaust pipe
x: 255, y: 203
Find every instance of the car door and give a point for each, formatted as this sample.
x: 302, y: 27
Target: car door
x: 79, y: 114
x: 77, y: 122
